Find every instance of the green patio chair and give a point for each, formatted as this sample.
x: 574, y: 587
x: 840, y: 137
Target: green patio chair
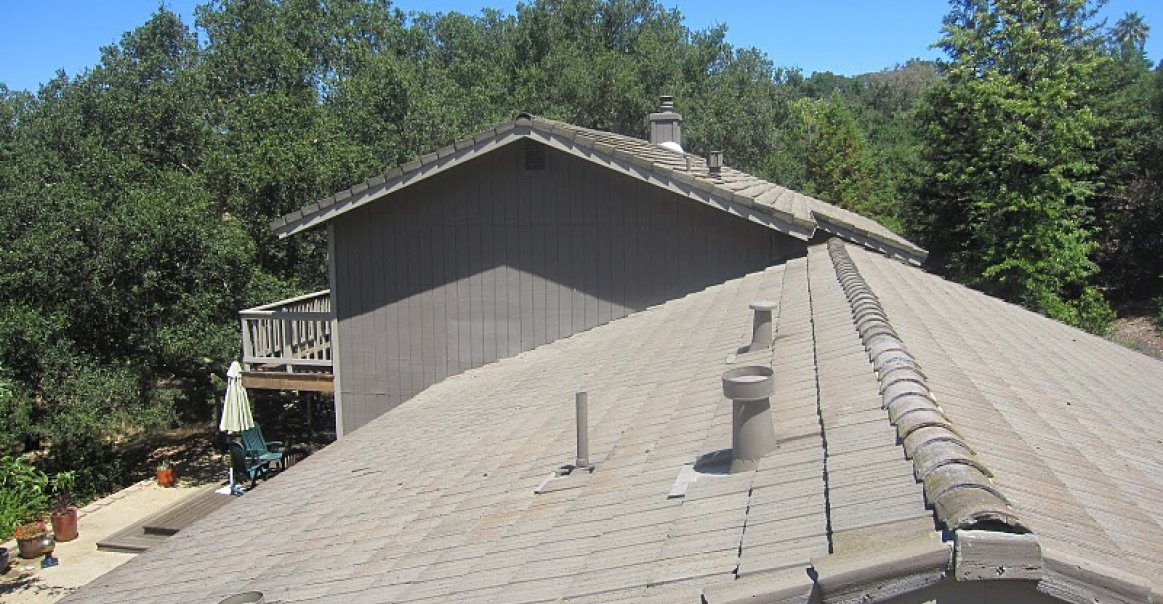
x: 246, y: 466
x: 262, y: 449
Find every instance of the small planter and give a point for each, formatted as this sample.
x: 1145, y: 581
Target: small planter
x: 166, y: 477
x: 31, y: 546
x: 3, y: 560
x: 64, y: 525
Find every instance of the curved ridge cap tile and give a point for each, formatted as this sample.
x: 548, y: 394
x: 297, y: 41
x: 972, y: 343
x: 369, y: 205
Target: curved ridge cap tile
x: 882, y: 344
x: 871, y: 329
x: 902, y: 405
x: 901, y: 374
x: 894, y: 391
x: 934, y: 458
x: 883, y: 361
x: 955, y: 483
x: 957, y: 476
x: 902, y: 362
x: 975, y: 508
x: 916, y: 419
x: 922, y: 437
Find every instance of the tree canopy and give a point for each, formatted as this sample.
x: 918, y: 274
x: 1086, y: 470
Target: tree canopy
x: 135, y: 196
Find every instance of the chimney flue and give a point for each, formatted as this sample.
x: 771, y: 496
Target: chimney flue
x: 752, y: 433
x: 666, y: 125
x: 715, y: 164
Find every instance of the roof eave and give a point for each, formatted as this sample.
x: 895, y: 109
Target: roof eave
x: 912, y: 254
x: 675, y: 181
x: 397, y: 178
x: 1077, y: 579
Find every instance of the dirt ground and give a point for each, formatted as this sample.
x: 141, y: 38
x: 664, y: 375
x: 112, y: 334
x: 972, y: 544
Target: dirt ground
x: 1138, y: 333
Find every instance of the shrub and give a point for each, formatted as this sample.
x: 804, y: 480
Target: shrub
x: 22, y: 493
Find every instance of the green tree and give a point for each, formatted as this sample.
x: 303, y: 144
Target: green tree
x: 1127, y: 205
x: 1005, y: 137
x: 822, y: 153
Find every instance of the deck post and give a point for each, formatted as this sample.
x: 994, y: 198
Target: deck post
x: 287, y: 350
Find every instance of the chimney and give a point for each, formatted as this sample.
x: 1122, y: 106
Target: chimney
x: 761, y: 325
x: 752, y: 433
x: 666, y: 125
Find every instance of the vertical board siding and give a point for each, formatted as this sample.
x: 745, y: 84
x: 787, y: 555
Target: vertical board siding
x: 488, y: 260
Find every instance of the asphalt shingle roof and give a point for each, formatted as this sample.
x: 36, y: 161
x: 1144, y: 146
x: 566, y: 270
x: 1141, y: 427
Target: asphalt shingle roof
x: 435, y: 500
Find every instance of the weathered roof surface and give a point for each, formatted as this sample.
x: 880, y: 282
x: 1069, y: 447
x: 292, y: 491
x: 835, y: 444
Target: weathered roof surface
x: 434, y: 501
x: 1069, y: 423
x: 1019, y: 423
x: 736, y: 192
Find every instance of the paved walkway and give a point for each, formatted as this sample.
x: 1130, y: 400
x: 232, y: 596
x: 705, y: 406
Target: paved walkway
x: 26, y: 582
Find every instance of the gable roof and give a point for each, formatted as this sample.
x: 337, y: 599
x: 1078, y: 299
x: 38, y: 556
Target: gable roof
x: 904, y: 404
x: 735, y: 192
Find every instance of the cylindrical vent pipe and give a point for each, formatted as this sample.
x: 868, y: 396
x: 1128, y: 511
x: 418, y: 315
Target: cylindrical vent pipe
x: 761, y: 325
x: 715, y: 164
x: 752, y: 431
x: 582, y: 406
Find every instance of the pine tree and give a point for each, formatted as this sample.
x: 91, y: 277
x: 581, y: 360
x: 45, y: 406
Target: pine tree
x: 1005, y: 135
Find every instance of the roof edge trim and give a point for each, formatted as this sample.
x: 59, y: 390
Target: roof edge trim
x: 415, y: 171
x: 961, y: 494
x: 1074, y: 579
x: 913, y: 255
x: 678, y: 183
x: 885, y: 573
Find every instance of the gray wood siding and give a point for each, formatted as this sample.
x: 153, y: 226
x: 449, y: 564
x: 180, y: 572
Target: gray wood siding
x: 489, y: 260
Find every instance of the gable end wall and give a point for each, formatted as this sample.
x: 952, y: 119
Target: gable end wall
x: 490, y: 259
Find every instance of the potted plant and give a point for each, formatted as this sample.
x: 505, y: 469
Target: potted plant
x: 64, y: 514
x: 166, y: 476
x: 30, y: 537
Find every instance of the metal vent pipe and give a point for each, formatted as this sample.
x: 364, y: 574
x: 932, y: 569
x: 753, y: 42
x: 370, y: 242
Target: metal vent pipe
x: 761, y: 325
x: 715, y: 164
x: 752, y: 431
x: 582, y: 406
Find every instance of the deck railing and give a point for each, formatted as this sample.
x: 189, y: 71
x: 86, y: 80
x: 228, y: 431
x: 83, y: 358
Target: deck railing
x: 289, y: 335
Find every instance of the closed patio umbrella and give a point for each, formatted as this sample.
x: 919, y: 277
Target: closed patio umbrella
x: 236, y: 415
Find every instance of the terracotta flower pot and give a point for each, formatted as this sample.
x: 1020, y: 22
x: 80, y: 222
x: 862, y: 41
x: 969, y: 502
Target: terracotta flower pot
x: 167, y: 477
x: 31, y: 547
x: 64, y: 525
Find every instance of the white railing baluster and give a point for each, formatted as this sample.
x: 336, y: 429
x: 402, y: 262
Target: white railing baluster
x: 294, y: 334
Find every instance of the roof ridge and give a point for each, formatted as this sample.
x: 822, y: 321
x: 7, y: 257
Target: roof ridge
x: 681, y: 172
x: 958, y: 485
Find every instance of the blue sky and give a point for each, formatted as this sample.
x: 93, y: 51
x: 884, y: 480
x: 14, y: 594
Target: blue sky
x: 849, y: 37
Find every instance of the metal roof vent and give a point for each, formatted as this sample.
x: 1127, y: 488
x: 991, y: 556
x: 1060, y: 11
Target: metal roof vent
x: 715, y: 164
x: 761, y: 325
x: 752, y: 433
x: 666, y: 125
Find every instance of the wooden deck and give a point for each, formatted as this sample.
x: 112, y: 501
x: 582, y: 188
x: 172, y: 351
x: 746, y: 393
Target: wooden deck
x: 155, y: 529
x: 286, y: 345
x: 282, y: 380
